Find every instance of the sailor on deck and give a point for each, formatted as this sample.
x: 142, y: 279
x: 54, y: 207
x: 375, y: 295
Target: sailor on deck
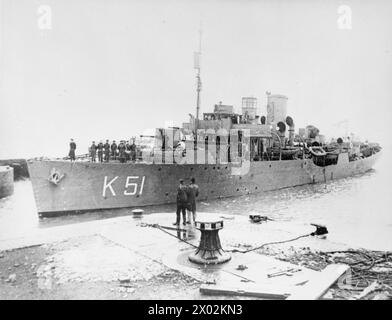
x: 113, y: 148
x: 72, y: 148
x: 93, y: 151
x: 100, y: 151
x: 121, y: 151
x: 106, y: 146
x: 127, y: 151
x: 133, y: 150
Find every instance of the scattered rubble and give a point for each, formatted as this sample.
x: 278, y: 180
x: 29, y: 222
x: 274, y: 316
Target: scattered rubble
x: 368, y: 269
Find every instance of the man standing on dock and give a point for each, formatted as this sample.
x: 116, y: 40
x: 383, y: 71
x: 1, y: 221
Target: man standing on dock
x: 193, y: 193
x: 72, y: 148
x: 182, y: 202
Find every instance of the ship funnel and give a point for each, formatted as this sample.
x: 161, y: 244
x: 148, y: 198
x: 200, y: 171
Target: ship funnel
x: 276, y: 108
x: 290, y: 123
x: 249, y: 107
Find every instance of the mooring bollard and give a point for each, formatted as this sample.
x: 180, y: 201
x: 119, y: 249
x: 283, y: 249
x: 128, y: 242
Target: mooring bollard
x: 210, y: 250
x: 137, y: 213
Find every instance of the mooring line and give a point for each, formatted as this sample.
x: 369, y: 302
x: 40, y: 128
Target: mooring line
x: 269, y: 243
x: 157, y: 226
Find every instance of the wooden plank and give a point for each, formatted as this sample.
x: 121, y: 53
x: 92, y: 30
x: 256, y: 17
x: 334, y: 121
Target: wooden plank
x: 318, y: 285
x: 247, y: 290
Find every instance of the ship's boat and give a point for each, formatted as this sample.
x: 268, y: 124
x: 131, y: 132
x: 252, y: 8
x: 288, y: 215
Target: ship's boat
x: 229, y: 154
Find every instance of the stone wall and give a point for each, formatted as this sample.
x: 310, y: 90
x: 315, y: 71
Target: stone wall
x: 20, y: 167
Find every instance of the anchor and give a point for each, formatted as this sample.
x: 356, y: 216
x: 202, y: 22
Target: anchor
x: 55, y: 176
x: 210, y: 250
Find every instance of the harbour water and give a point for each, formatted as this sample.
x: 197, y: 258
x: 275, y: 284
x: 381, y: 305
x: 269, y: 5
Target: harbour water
x: 356, y: 210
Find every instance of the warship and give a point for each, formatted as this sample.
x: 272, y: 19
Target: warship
x: 228, y: 153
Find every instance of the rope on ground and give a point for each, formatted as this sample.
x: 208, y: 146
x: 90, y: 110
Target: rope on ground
x: 157, y: 226
x: 269, y: 243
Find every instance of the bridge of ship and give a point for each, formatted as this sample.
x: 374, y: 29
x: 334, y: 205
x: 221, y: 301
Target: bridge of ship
x: 218, y: 130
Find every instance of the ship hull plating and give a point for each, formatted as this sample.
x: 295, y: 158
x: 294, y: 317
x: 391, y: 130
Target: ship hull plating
x: 82, y: 186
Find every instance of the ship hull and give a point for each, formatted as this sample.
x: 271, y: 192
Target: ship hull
x: 86, y: 186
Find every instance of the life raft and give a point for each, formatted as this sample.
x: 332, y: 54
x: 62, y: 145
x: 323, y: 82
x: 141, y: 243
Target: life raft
x: 317, y: 151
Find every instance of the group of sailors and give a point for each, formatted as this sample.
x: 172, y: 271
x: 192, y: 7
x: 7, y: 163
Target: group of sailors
x: 124, y: 151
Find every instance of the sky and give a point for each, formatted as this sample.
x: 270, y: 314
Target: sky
x: 113, y: 69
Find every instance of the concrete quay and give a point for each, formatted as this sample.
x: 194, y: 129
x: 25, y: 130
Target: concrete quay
x: 127, y: 249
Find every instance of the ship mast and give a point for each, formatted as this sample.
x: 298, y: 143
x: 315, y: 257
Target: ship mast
x: 197, y: 63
